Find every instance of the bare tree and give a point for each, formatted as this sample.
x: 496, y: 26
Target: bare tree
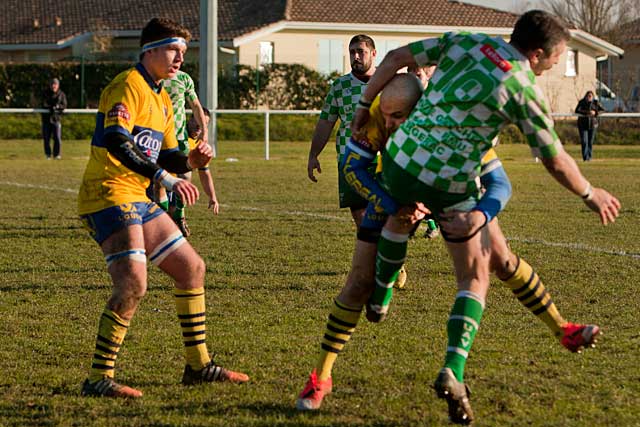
x: 601, y: 18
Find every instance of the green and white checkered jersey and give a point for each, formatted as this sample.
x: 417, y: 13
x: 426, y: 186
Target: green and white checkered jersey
x: 180, y: 89
x: 340, y: 103
x: 481, y: 84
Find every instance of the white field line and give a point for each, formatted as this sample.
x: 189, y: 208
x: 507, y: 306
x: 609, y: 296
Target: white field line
x: 574, y: 246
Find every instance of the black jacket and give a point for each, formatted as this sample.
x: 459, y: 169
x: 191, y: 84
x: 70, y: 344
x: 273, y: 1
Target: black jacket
x: 55, y: 103
x: 587, y: 121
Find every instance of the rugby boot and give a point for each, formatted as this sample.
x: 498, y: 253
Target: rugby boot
x: 457, y: 395
x: 107, y: 387
x: 577, y: 337
x: 402, y: 278
x: 314, y: 391
x: 212, y: 373
x: 182, y: 225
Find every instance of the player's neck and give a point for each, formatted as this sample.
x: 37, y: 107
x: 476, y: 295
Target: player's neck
x: 366, y: 76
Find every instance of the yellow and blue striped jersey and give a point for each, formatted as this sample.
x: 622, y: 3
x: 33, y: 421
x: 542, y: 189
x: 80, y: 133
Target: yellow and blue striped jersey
x: 133, y: 105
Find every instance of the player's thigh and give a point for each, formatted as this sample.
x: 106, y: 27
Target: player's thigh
x: 171, y: 252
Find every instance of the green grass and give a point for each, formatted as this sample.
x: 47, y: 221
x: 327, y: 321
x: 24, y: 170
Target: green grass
x: 276, y: 256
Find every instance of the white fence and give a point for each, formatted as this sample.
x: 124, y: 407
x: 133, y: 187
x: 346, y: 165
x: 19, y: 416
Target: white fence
x: 267, y: 115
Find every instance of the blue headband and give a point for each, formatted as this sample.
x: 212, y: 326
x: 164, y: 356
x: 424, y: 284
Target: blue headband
x: 158, y: 43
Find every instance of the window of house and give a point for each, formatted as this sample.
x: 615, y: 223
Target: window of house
x: 383, y: 47
x: 572, y: 63
x: 330, y: 56
x: 265, y: 54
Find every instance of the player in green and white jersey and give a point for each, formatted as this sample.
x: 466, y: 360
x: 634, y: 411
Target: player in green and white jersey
x: 340, y: 103
x: 182, y: 91
x: 481, y: 84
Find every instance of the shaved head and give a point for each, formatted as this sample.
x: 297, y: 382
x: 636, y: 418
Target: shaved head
x: 398, y: 98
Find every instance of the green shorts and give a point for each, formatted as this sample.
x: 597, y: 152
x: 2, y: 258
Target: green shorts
x: 406, y: 189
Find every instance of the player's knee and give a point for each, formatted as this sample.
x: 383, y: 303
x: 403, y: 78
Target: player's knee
x: 502, y: 264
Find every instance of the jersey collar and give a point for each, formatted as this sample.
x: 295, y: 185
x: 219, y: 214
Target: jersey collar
x: 154, y: 87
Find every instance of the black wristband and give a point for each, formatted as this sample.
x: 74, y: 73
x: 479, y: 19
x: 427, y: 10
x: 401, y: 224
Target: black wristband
x: 364, y: 104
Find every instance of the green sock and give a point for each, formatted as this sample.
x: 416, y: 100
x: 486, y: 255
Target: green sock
x: 179, y: 207
x: 392, y: 251
x: 462, y: 327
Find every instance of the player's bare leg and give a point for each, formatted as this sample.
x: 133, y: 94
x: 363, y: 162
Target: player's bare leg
x: 171, y: 252
x: 124, y: 251
x: 527, y: 286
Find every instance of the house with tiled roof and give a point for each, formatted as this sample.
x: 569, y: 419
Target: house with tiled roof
x: 624, y: 72
x: 253, y: 32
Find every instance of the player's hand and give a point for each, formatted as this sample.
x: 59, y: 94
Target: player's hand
x: 187, y: 191
x: 458, y: 224
x: 204, y: 138
x: 407, y: 216
x: 200, y: 156
x: 604, y: 204
x: 214, y: 206
x: 359, y: 121
x: 312, y: 165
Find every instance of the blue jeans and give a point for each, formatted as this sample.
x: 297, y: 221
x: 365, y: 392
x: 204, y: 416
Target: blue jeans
x: 55, y: 130
x: 587, y: 136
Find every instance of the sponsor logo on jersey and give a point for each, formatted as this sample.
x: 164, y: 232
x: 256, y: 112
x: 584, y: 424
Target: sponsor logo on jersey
x: 495, y: 57
x: 147, y: 143
x: 119, y: 111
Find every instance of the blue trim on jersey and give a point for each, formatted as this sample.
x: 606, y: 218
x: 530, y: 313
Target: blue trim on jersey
x: 355, y: 170
x: 497, y: 194
x: 117, y: 129
x: 98, y: 132
x: 147, y: 77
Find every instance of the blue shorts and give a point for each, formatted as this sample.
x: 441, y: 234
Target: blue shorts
x: 104, y: 223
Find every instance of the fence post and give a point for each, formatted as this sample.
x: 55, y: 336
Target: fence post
x: 266, y: 135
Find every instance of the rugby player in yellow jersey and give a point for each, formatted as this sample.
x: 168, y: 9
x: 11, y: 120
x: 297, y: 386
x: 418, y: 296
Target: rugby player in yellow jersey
x: 134, y: 142
x: 194, y: 132
x: 387, y: 113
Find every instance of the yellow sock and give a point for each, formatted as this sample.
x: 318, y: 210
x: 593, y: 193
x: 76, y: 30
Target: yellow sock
x: 191, y: 312
x: 528, y: 288
x: 341, y: 324
x: 111, y: 331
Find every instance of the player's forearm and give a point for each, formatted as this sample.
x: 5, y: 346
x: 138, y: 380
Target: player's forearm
x: 320, y: 137
x: 565, y: 170
x: 207, y: 183
x: 198, y: 113
x: 392, y: 62
x: 175, y: 162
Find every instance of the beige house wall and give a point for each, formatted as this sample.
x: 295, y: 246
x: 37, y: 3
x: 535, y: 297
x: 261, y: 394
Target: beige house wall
x: 301, y: 47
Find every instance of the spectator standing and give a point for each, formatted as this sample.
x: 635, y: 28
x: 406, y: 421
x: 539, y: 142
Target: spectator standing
x: 588, y: 108
x: 55, y: 101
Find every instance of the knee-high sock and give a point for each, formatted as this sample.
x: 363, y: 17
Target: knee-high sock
x: 392, y: 251
x: 341, y: 324
x: 178, y: 205
x: 191, y: 312
x: 528, y: 288
x: 463, y: 324
x: 111, y: 332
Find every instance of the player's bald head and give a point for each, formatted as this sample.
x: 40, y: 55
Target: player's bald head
x: 402, y: 91
x: 398, y: 98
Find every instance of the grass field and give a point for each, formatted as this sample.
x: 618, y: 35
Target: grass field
x: 276, y: 256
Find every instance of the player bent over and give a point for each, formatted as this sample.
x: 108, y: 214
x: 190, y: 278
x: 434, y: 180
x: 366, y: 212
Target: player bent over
x: 481, y: 84
x: 135, y: 142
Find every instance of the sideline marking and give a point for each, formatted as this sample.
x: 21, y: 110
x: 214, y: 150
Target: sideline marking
x: 575, y: 246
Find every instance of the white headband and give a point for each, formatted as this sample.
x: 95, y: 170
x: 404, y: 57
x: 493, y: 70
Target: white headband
x: 158, y: 43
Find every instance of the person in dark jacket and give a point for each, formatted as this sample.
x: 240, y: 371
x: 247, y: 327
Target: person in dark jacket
x: 588, y: 109
x: 55, y: 101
